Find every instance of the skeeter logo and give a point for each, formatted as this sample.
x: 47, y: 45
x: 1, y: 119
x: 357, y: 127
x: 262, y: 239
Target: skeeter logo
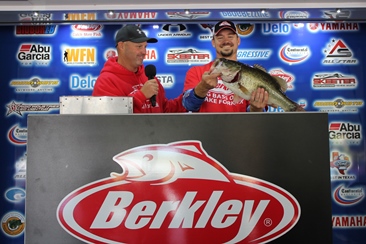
x: 176, y: 190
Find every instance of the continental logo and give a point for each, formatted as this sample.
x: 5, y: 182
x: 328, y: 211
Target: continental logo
x: 80, y: 16
x: 79, y: 56
x: 293, y: 54
x: 347, y: 196
x: 35, y: 30
x: 35, y: 85
x: 293, y: 14
x: 17, y: 135
x: 339, y: 105
x: 13, y: 224
x: 34, y: 54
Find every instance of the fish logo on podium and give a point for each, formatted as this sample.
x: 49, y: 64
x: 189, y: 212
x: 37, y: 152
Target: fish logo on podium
x: 177, y: 193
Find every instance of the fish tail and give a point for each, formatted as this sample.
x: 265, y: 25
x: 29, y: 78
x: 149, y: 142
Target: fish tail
x: 298, y: 108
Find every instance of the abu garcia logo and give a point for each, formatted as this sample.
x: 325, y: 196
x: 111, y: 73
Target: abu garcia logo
x: 30, y: 53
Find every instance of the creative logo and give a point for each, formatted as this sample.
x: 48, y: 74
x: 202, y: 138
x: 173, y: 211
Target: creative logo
x: 20, y: 108
x: 131, y: 15
x: 79, y: 56
x: 36, y: 54
x: 13, y: 224
x: 286, y: 76
x: 190, y: 15
x: 174, y: 30
x: 248, y: 54
x: 339, y: 105
x: 21, y: 168
x: 17, y: 135
x: 187, y: 56
x: 337, y: 52
x: 333, y: 26
x: 293, y: 14
x: 87, y: 31
x: 15, y: 195
x: 334, y: 81
x: 345, y: 133
x: 35, y: 85
x: 183, y: 191
x: 348, y: 196
x: 294, y: 55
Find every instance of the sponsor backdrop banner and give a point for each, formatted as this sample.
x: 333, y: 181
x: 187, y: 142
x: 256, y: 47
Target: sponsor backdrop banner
x: 323, y: 64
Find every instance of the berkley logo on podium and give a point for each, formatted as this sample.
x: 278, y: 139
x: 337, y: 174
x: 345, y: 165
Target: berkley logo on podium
x: 177, y: 193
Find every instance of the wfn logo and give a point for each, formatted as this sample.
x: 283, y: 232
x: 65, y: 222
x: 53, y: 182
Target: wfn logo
x: 176, y: 193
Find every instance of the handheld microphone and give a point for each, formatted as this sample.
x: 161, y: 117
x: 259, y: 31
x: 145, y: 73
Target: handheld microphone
x: 150, y: 72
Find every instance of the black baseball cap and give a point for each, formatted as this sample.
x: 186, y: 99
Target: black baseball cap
x: 133, y: 33
x: 224, y: 24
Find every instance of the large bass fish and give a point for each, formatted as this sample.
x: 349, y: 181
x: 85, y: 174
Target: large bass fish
x: 243, y: 79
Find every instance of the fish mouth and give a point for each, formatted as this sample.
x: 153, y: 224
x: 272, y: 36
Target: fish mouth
x: 229, y: 72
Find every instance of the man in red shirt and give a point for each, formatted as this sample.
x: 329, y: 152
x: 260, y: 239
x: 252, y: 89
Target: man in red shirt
x: 205, y: 92
x: 124, y: 75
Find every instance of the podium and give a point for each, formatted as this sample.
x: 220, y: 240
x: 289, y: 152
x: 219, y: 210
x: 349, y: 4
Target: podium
x: 178, y: 178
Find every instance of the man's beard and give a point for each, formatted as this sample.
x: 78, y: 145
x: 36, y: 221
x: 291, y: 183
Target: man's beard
x: 226, y: 54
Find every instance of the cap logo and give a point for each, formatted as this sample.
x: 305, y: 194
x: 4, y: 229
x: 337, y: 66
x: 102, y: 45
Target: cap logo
x: 225, y: 24
x: 139, y: 31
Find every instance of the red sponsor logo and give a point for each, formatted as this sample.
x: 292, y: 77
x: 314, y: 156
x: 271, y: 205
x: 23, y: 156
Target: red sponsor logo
x: 91, y: 27
x: 177, y: 193
x: 335, y: 126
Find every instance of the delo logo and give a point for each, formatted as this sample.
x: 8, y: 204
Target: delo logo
x: 177, y: 189
x: 82, y: 83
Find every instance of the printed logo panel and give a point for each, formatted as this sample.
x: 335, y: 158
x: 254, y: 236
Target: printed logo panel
x: 177, y: 189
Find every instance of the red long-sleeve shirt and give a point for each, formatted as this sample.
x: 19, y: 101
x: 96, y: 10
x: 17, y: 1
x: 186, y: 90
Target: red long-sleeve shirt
x: 115, y: 80
x: 218, y: 99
